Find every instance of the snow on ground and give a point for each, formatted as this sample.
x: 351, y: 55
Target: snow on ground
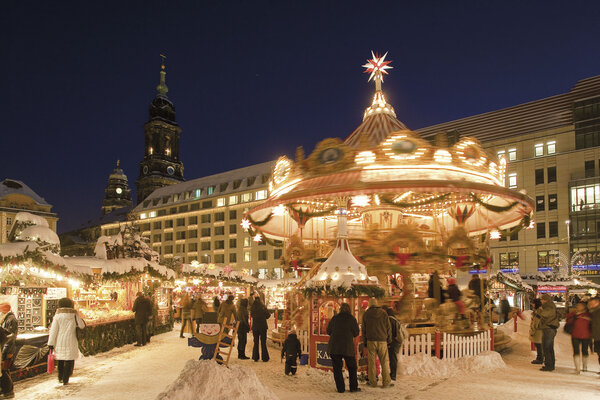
x: 144, y: 373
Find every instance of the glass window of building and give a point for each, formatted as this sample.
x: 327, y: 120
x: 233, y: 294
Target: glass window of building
x: 205, y: 245
x: 173, y: 210
x: 207, y: 204
x: 8, y: 220
x: 180, y: 235
x: 277, y: 254
x: 205, y: 232
x: 247, y: 241
x: 232, y: 214
x: 193, y: 247
x: 180, y: 248
x: 512, y: 154
x: 540, y: 203
x: 232, y: 257
x: 586, y: 117
x: 547, y: 260
x: 205, y: 218
x: 261, y: 195
x: 210, y: 190
x: 152, y: 214
x: 590, y: 169
x: 541, y: 230
x: 232, y: 228
x: 183, y: 209
x: 219, y: 258
x: 551, y: 147
x: 157, y: 225
x: 539, y: 176
x: 169, y: 249
x: 512, y: 180
x: 247, y: 256
x: 205, y: 258
x: 551, y: 174
x: 175, y: 197
x: 197, y: 193
x: 220, y: 216
x: 194, y: 207
x: 221, y: 202
x: 169, y: 236
x: 157, y: 238
x: 143, y: 216
x: 539, y: 149
x: 193, y: 234
x: 232, y: 243
x: 180, y: 221
x: 245, y: 197
x: 193, y: 220
x: 585, y: 197
x: 233, y: 200
x: 169, y: 223
x: 552, y: 202
x: 514, y: 236
x: 262, y: 255
x: 553, y: 229
x: 219, y: 244
x: 219, y: 230
x: 501, y: 153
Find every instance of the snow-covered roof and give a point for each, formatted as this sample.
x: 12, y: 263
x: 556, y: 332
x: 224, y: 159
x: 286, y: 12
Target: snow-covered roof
x: 16, y: 249
x: 116, y: 265
x: 216, y: 271
x: 39, y: 234
x: 12, y: 186
x: 236, y: 181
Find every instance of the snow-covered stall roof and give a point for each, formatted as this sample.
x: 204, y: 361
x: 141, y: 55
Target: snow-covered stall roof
x: 16, y: 249
x: 12, y: 186
x: 217, y: 272
x: 118, y: 266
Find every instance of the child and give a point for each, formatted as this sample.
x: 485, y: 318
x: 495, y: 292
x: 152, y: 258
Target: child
x: 292, y: 349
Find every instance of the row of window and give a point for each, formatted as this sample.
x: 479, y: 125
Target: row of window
x: 220, y: 202
x: 552, y: 229
x: 540, y: 149
x: 220, y: 258
x: 509, y: 260
x: 585, y: 197
x: 539, y: 175
x: 540, y: 202
x: 193, y: 220
x: 205, y: 245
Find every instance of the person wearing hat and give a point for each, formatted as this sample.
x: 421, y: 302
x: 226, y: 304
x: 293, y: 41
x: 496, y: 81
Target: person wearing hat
x: 291, y: 351
x: 11, y: 327
x: 377, y: 335
x: 548, y: 323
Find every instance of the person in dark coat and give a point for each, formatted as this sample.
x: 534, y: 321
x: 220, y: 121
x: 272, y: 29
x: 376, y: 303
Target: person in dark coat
x: 342, y: 329
x: 243, y: 329
x: 291, y: 350
x: 377, y: 335
x: 11, y: 326
x: 259, y: 314
x: 394, y: 347
x: 594, y: 308
x: 434, y: 287
x: 216, y: 304
x: 548, y: 323
x: 475, y: 285
x: 143, y: 310
x: 455, y: 294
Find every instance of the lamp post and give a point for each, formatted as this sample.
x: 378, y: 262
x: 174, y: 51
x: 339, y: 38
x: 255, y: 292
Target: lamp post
x: 568, y: 222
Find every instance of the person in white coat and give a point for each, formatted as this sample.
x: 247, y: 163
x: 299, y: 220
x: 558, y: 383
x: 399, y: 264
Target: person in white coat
x: 63, y: 338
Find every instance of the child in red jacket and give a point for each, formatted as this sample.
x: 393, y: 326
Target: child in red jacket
x: 578, y: 322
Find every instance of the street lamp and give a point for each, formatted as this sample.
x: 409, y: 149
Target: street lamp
x: 568, y: 222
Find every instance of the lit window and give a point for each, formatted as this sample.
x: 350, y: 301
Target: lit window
x: 152, y: 214
x: 143, y: 216
x: 198, y: 193
x: 512, y: 154
x: 512, y: 180
x: 261, y: 195
x: 210, y: 190
x: 150, y: 150
x: 221, y: 202
x: 247, y: 256
x: 167, y: 151
x: 247, y: 241
x: 551, y: 147
x: 176, y: 197
x: 501, y: 154
x: 539, y: 150
x: 233, y: 200
x: 246, y: 197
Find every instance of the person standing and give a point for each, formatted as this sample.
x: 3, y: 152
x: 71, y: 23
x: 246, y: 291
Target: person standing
x: 291, y: 350
x: 216, y: 304
x: 504, y: 309
x: 394, y: 347
x: 548, y: 324
x: 142, y: 309
x: 475, y: 286
x: 186, y: 313
x: 259, y: 314
x: 580, y: 321
x: 200, y: 308
x: 243, y: 329
x: 11, y: 326
x: 594, y: 307
x: 434, y: 287
x: 226, y: 311
x: 377, y: 335
x: 63, y: 338
x: 342, y: 329
x: 535, y: 332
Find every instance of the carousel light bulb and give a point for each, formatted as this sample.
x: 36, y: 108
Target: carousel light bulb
x: 245, y: 224
x: 365, y: 157
x: 257, y: 238
x: 361, y: 201
x: 495, y: 234
x: 324, y: 276
x: 335, y: 276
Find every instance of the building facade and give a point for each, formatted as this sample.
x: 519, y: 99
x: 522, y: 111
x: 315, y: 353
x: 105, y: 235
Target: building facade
x: 551, y: 146
x: 15, y: 196
x: 117, y: 193
x: 199, y: 220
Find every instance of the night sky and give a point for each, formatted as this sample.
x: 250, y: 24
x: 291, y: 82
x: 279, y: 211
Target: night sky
x: 251, y: 80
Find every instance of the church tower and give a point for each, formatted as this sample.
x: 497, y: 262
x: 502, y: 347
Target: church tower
x: 161, y: 165
x: 117, y: 193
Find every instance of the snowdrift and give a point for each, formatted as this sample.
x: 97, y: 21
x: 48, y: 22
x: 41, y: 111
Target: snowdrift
x: 431, y: 367
x: 208, y: 380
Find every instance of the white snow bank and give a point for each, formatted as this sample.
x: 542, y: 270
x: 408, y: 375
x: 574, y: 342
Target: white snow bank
x: 431, y: 367
x: 38, y: 234
x: 31, y: 219
x: 208, y: 380
x: 17, y: 248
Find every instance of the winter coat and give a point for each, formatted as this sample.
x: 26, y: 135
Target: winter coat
x: 581, y: 324
x: 535, y: 332
x: 475, y: 286
x: 260, y: 315
x: 342, y: 329
x: 142, y: 307
x: 11, y: 325
x: 242, y: 316
x: 454, y: 293
x: 548, y: 314
x: 200, y: 308
x: 434, y: 287
x: 376, y: 326
x: 595, y: 314
x: 63, y: 335
x: 395, y: 327
x: 226, y: 313
x: 291, y: 346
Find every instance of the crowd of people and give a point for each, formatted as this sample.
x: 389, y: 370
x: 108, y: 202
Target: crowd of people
x: 582, y: 324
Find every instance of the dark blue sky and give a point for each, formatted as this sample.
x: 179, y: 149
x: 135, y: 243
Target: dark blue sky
x: 251, y: 80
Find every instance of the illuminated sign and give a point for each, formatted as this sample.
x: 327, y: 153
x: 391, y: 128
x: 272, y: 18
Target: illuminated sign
x: 510, y: 270
x: 545, y: 269
x: 552, y: 289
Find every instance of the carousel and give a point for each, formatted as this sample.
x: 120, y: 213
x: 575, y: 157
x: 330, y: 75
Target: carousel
x: 375, y: 214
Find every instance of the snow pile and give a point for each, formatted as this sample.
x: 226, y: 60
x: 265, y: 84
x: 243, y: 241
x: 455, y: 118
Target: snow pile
x: 424, y: 365
x: 208, y: 380
x: 30, y: 219
x: 16, y: 249
x: 39, y: 234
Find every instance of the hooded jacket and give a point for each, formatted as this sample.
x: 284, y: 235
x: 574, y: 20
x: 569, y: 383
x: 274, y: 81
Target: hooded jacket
x: 63, y: 335
x: 291, y: 346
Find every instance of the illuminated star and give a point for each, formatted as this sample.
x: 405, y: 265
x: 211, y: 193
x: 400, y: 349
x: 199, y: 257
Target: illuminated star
x: 245, y: 224
x: 377, y: 66
x: 257, y: 237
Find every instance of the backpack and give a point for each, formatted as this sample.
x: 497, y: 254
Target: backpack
x: 401, y: 331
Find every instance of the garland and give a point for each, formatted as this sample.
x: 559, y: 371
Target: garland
x: 269, y: 241
x: 260, y: 223
x: 300, y: 215
x: 341, y: 291
x: 220, y: 277
x: 388, y: 201
x: 39, y: 260
x: 491, y: 207
x: 134, y: 275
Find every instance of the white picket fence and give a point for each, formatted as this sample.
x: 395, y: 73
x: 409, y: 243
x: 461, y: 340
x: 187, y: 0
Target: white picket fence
x: 416, y: 344
x: 465, y: 346
x: 304, y: 338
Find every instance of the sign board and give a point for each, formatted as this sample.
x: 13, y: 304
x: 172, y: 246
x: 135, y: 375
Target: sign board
x: 552, y: 289
x: 56, y: 293
x: 323, y: 359
x: 590, y: 269
x: 510, y: 270
x: 478, y: 271
x: 545, y: 269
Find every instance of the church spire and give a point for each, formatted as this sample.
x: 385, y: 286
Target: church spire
x: 162, y: 86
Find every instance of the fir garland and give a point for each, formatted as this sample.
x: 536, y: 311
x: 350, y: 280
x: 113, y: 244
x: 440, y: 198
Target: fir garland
x: 491, y: 207
x: 221, y: 277
x: 260, y: 223
x: 306, y: 215
x: 341, y: 291
x: 269, y: 241
x: 390, y: 202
